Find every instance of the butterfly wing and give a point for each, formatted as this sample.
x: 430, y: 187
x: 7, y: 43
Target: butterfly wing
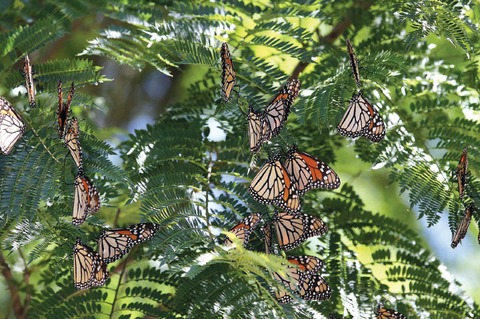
x: 11, y: 126
x: 116, y: 243
x: 29, y: 85
x: 362, y: 119
x: 384, y: 313
x: 88, y: 268
x: 308, y: 172
x: 228, y: 72
x: 72, y: 142
x: 244, y: 229
x: 462, y: 173
x: 86, y: 199
x: 306, y: 264
x: 294, y: 229
x: 272, y: 185
x: 313, y: 287
x: 276, y: 113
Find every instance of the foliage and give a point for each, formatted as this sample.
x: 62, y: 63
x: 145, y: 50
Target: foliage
x: 176, y: 174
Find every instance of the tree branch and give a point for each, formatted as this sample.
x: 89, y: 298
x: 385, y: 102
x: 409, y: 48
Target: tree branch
x: 16, y: 303
x: 336, y: 32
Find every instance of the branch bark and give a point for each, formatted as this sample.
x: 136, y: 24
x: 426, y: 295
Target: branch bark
x: 17, y: 306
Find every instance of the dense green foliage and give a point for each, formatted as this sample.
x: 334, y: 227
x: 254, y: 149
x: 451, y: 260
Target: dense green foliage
x: 419, y: 67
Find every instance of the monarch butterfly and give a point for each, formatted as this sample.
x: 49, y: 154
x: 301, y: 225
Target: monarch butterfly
x: 89, y: 270
x: 463, y: 227
x: 294, y: 229
x: 272, y: 185
x: 63, y: 108
x: 29, y: 85
x: 362, y: 119
x: 275, y: 114
x: 462, y: 172
x: 11, y: 126
x: 307, y: 172
x: 353, y: 63
x: 115, y: 243
x: 267, y: 237
x: 384, y: 313
x: 229, y: 76
x: 243, y: 229
x: 73, y: 143
x: 255, y: 129
x: 303, y: 280
x: 86, y: 200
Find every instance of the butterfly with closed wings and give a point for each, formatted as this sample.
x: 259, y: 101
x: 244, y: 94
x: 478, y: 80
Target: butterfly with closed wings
x: 294, y: 229
x: 384, y: 313
x: 353, y: 63
x: 362, y: 119
x: 116, y: 243
x: 307, y: 172
x: 63, y: 108
x: 244, y: 229
x: 462, y: 168
x: 29, y: 84
x: 265, y: 125
x: 272, y: 185
x: 229, y: 76
x: 89, y: 270
x: 86, y: 199
x: 303, y: 279
x: 462, y: 228
x: 12, y: 127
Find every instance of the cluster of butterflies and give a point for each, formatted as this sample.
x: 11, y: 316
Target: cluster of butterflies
x: 302, y: 277
x: 282, y: 184
x: 86, y: 199
x: 90, y: 267
x: 382, y: 313
x: 360, y: 119
x: 462, y: 170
